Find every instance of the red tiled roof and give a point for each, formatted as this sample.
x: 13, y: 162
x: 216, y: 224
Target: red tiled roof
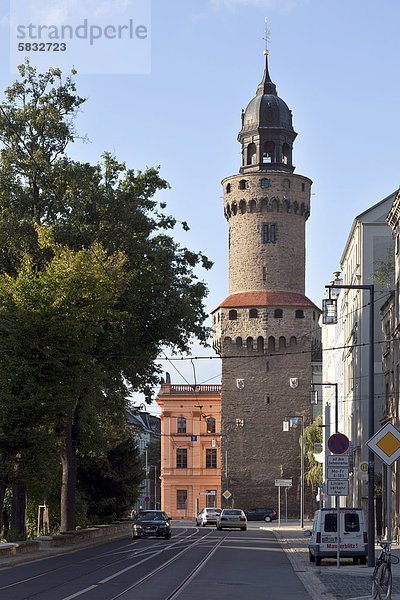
x: 265, y: 298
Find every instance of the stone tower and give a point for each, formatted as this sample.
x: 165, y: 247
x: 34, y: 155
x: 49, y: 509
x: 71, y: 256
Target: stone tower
x: 266, y: 331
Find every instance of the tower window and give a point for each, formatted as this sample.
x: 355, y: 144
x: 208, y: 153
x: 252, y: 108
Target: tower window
x: 299, y: 314
x: 228, y: 188
x: 181, y: 425
x: 278, y: 314
x: 264, y: 273
x: 265, y: 182
x: 251, y: 154
x: 269, y: 152
x: 286, y: 154
x: 303, y: 187
x: 243, y: 184
x: 253, y: 313
x: 269, y: 233
x: 232, y: 315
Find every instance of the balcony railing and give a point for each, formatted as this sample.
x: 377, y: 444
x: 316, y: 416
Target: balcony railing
x: 167, y: 388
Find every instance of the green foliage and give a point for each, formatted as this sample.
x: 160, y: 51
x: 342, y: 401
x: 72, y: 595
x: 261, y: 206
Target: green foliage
x: 313, y: 435
x: 384, y: 271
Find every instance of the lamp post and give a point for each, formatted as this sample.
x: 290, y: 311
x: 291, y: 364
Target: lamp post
x: 330, y: 317
x: 301, y: 464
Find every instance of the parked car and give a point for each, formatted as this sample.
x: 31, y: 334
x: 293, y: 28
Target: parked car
x: 261, y: 514
x: 323, y: 537
x: 151, y: 523
x: 232, y: 517
x: 207, y: 516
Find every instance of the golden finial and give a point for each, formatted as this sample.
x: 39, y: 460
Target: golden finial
x: 266, y: 38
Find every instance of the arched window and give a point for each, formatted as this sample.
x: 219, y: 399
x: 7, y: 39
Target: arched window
x: 249, y: 343
x: 264, y: 182
x: 228, y: 188
x: 253, y: 313
x: 234, y: 208
x: 253, y: 206
x: 269, y: 152
x: 271, y: 344
x: 286, y: 184
x: 251, y: 154
x: 210, y: 425
x: 242, y: 207
x: 278, y: 314
x: 181, y: 425
x: 286, y: 154
x: 293, y: 341
x: 260, y: 344
x: 243, y: 184
x: 299, y: 314
x: 282, y: 342
x: 232, y: 315
x: 228, y: 340
x: 239, y: 342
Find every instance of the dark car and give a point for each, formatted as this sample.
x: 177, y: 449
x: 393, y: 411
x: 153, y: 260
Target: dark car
x: 151, y: 523
x: 261, y: 514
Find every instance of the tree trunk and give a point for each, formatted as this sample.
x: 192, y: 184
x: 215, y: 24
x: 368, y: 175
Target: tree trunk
x: 18, y: 511
x: 70, y: 440
x: 3, y: 488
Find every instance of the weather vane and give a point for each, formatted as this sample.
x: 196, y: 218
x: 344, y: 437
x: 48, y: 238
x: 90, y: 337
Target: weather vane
x: 266, y: 37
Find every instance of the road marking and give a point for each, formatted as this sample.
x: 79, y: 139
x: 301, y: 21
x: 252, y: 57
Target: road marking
x: 92, y: 587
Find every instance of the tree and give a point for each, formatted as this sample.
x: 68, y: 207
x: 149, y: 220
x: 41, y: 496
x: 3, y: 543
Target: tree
x: 384, y: 271
x: 108, y: 210
x: 312, y: 436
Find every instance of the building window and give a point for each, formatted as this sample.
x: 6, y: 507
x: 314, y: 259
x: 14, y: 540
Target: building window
x: 269, y: 233
x: 303, y: 187
x: 269, y: 152
x: 181, y: 458
x: 210, y: 425
x: 251, y: 154
x: 253, y: 313
x: 232, y: 315
x: 181, y: 499
x: 278, y: 314
x: 228, y: 188
x: 243, y: 184
x: 264, y: 182
x: 211, y: 458
x: 181, y: 425
x: 299, y: 314
x: 211, y: 497
x: 264, y: 273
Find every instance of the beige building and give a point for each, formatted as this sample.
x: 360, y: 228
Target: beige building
x: 190, y: 448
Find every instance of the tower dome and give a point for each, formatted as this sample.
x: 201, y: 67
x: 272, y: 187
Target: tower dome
x: 267, y: 132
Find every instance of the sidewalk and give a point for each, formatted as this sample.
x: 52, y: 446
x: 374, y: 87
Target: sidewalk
x: 350, y: 582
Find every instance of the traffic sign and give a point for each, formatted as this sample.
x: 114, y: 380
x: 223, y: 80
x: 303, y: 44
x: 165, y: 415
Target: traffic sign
x: 212, y: 493
x: 338, y: 473
x: 338, y: 443
x: 147, y: 499
x: 363, y: 467
x: 338, y: 487
x: 386, y: 443
x: 193, y: 438
x: 283, y: 482
x: 227, y: 494
x: 337, y: 460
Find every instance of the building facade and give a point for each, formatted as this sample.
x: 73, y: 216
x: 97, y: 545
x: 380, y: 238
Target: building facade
x: 190, y: 448
x: 266, y: 331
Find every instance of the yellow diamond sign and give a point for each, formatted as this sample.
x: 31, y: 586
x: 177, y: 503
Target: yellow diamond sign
x: 386, y: 443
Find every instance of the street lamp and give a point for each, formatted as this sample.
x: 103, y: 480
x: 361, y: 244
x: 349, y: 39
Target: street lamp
x: 287, y: 419
x: 329, y: 307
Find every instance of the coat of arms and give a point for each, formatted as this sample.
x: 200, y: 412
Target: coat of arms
x: 240, y: 383
x: 294, y: 382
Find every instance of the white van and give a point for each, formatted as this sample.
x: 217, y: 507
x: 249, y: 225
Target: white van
x: 353, y: 535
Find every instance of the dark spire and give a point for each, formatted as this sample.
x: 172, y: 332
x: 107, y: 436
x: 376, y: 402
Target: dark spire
x: 266, y: 86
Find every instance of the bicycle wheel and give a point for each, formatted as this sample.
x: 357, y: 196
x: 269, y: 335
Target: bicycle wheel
x: 384, y: 582
x: 374, y: 590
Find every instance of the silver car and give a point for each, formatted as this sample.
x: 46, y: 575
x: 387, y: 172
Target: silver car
x: 232, y: 517
x: 208, y: 516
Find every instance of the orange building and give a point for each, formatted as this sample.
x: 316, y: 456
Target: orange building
x: 190, y: 448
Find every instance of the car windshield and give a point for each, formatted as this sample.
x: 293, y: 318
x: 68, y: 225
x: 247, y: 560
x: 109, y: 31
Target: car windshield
x: 151, y: 516
x: 232, y: 512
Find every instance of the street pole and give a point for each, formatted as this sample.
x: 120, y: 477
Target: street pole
x: 371, y: 417
x: 302, y: 473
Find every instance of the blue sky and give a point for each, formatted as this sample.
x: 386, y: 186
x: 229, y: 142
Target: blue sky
x: 336, y: 64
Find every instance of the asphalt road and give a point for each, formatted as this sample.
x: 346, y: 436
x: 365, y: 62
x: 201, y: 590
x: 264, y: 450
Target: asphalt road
x: 196, y: 563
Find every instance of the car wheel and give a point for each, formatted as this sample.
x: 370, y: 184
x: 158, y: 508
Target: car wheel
x: 203, y: 524
x: 168, y: 536
x: 318, y: 560
x: 311, y: 556
x: 363, y: 560
x: 219, y: 527
x: 197, y: 525
x: 243, y: 528
x: 267, y: 519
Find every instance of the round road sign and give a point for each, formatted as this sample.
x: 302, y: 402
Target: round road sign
x: 147, y: 499
x: 338, y: 443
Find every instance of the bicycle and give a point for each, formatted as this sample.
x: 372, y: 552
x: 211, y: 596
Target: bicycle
x: 382, y: 575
